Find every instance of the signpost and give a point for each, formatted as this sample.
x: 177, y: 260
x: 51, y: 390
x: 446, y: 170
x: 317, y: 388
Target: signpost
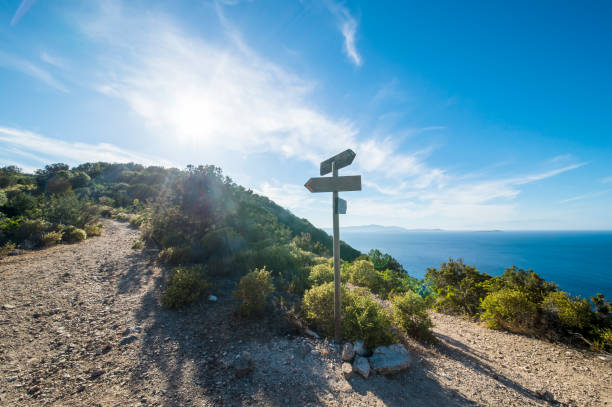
x: 335, y: 184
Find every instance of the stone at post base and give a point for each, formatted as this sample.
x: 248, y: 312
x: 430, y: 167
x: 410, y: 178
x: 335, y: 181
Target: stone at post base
x: 347, y: 370
x: 361, y: 366
x: 347, y: 352
x: 390, y: 359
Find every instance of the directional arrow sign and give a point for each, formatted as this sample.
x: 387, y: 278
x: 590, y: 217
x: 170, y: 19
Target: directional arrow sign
x: 331, y: 184
x: 341, y: 206
x: 342, y: 160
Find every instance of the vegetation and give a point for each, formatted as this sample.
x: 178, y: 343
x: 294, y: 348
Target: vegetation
x: 207, y: 227
x: 362, y: 317
x: 521, y: 301
x: 185, y: 286
x: 252, y: 291
x: 409, y: 312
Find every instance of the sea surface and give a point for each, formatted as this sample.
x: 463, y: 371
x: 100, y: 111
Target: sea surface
x: 578, y: 262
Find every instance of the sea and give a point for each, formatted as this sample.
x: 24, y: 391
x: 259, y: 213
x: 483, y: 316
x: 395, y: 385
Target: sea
x: 579, y: 262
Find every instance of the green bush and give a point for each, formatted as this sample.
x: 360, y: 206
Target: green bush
x: 459, y: 288
x: 73, y: 234
x: 571, y: 314
x: 363, y: 273
x: 185, y: 286
x: 603, y: 339
x: 176, y: 255
x: 252, y: 292
x: 122, y: 216
x: 409, y: 311
x: 51, y: 238
x: 511, y: 310
x: 362, y: 317
x: 94, y: 230
x: 32, y: 230
x: 6, y: 249
x: 321, y: 274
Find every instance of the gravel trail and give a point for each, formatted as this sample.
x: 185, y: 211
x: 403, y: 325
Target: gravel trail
x: 81, y: 325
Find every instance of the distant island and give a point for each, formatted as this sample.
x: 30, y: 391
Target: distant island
x: 395, y: 229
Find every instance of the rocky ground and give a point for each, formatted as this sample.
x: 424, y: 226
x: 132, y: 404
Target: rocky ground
x: 81, y: 325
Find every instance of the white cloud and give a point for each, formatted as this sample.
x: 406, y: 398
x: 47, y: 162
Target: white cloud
x: 606, y: 180
x: 585, y: 196
x: 23, y: 8
x: 228, y: 98
x: 26, y: 67
x: 220, y: 97
x: 53, y: 60
x: 36, y: 147
x: 348, y: 27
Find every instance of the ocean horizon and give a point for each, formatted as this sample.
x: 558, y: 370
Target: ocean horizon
x: 579, y: 262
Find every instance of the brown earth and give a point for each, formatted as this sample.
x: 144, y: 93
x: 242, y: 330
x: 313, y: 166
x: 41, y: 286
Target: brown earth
x: 81, y: 325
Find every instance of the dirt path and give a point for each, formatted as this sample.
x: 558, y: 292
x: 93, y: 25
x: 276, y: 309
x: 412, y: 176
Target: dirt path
x: 81, y: 325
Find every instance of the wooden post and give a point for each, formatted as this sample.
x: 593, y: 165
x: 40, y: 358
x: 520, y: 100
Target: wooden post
x: 337, y: 289
x: 334, y: 184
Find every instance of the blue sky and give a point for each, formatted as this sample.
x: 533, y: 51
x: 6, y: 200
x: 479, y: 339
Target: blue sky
x: 463, y: 115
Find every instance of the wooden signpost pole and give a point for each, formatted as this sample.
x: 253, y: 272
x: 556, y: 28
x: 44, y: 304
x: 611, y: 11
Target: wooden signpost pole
x: 337, y: 290
x: 334, y: 184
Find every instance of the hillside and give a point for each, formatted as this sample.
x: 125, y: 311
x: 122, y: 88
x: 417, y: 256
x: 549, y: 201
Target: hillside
x: 82, y: 325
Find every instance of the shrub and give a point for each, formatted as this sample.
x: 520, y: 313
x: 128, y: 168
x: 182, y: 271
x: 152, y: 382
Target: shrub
x: 252, y: 292
x: 603, y: 339
x: 94, y: 230
x: 571, y: 314
x: 362, y: 317
x: 80, y: 180
x: 51, y: 238
x: 176, y: 255
x: 122, y: 216
x: 509, y: 309
x: 220, y: 242
x: 185, y: 286
x: 321, y: 274
x: 138, y: 244
x: 32, y: 230
x: 73, y: 234
x: 6, y: 249
x: 409, y: 311
x: 527, y: 281
x: 363, y: 273
x: 460, y: 288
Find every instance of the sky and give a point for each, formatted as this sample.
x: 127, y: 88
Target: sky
x: 463, y: 115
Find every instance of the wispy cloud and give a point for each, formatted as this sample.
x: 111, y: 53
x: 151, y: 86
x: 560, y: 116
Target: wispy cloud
x: 348, y: 27
x: 36, y: 147
x: 222, y: 97
x: 586, y: 196
x: 53, y: 60
x: 23, y: 8
x: 607, y: 180
x: 24, y: 66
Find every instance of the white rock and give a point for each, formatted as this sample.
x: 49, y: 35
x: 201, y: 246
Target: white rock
x: 347, y: 370
x: 361, y: 366
x: 390, y: 359
x: 348, y: 353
